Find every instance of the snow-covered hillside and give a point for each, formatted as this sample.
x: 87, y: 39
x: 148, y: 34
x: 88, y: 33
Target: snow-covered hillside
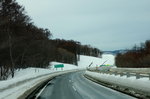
x: 34, y: 72
x: 13, y: 87
x: 85, y: 61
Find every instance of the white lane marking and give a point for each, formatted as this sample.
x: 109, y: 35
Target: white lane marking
x: 74, y: 88
x: 41, y: 90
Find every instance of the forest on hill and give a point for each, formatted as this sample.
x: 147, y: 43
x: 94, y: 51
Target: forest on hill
x: 137, y: 57
x: 23, y: 44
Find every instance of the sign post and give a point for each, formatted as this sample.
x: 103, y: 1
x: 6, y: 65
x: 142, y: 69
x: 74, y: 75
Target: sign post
x: 59, y: 66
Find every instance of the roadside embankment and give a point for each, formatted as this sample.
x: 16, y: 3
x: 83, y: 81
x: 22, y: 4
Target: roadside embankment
x: 21, y: 88
x: 130, y: 85
x: 42, y: 81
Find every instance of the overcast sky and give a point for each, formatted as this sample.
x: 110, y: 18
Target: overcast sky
x: 105, y: 24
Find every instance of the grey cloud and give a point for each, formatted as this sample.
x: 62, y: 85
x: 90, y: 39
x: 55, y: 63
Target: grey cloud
x: 106, y: 24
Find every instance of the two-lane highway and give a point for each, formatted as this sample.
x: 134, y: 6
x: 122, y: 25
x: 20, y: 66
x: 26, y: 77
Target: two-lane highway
x: 75, y: 86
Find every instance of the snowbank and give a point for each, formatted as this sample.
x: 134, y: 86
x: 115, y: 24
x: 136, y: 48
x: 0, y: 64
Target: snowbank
x: 21, y: 79
x: 23, y: 74
x: 25, y: 79
x: 138, y: 85
x: 16, y: 87
x: 131, y: 70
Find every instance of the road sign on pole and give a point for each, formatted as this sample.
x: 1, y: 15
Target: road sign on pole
x: 59, y: 66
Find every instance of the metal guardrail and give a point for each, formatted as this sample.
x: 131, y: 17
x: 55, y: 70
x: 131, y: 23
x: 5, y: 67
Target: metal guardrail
x: 127, y: 74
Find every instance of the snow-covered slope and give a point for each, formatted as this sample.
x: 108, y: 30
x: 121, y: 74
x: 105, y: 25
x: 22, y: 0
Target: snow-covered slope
x: 22, y: 81
x: 24, y: 76
x: 34, y: 72
x: 85, y: 61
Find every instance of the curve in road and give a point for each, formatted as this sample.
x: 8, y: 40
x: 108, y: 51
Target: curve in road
x: 76, y: 86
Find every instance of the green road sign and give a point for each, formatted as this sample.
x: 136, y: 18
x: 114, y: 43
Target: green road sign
x: 59, y: 66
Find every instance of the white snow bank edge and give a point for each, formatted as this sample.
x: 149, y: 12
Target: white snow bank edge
x: 48, y: 77
x: 142, y: 90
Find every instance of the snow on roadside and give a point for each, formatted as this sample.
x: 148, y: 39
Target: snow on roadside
x: 28, y: 73
x: 21, y: 81
x: 141, y: 84
x: 24, y: 74
x: 23, y: 77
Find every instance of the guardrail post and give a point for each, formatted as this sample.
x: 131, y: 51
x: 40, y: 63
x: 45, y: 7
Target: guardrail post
x: 106, y: 72
x: 110, y: 73
x: 121, y: 74
x: 100, y: 72
x: 115, y: 73
x: 137, y: 76
x: 128, y: 74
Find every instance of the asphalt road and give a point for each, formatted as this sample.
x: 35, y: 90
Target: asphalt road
x: 75, y: 86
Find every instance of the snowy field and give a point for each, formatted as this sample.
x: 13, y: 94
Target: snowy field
x: 86, y: 60
x: 25, y: 78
